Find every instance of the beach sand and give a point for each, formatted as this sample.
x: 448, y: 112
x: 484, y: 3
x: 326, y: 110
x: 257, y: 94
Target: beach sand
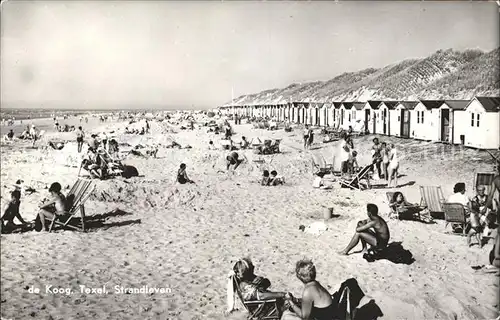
x: 149, y: 231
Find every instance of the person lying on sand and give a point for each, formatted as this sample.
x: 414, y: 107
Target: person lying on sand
x: 182, y: 177
x: 274, y: 180
x: 316, y: 302
x: 54, y: 206
x: 11, y: 211
x: 253, y: 287
x: 233, y: 159
x: 402, y: 207
x: 378, y: 238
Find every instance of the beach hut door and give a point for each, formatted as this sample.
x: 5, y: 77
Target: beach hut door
x: 374, y: 121
x: 367, y: 119
x: 445, y: 124
x: 384, y: 115
x: 405, y: 123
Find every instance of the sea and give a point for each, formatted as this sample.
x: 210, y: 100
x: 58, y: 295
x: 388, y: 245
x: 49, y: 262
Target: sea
x: 25, y: 113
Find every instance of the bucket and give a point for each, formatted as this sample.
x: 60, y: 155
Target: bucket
x: 328, y: 213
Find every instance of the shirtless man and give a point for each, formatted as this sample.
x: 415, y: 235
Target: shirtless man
x: 56, y: 205
x: 378, y: 238
x: 232, y: 159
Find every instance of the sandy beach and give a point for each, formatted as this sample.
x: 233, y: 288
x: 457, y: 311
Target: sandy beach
x: 149, y: 231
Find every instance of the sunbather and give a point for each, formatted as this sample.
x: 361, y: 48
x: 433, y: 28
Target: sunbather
x: 233, y: 160
x: 274, y: 180
x: 316, y: 302
x: 54, y: 206
x: 182, y: 177
x: 253, y: 287
x: 11, y: 211
x: 265, y: 178
x: 403, y: 207
x: 378, y: 238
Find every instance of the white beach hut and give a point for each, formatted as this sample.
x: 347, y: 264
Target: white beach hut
x: 383, y: 118
x: 446, y: 118
x: 345, y: 114
x: 370, y: 116
x: 399, y: 118
x: 424, y: 120
x: 478, y: 126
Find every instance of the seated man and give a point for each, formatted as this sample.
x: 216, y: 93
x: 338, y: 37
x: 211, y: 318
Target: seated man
x: 54, y: 206
x: 244, y: 143
x: 11, y: 211
x: 233, y: 160
x: 378, y: 238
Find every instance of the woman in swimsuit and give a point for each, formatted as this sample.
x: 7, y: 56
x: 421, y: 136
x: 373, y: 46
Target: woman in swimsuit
x: 182, y: 177
x: 316, y: 302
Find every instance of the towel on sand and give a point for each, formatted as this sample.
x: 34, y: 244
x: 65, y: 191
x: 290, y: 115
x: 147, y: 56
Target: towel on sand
x: 394, y: 252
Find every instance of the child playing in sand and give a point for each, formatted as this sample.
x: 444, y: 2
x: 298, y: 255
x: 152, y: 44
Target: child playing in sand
x: 265, y: 178
x: 233, y: 160
x: 182, y: 177
x: 11, y: 211
x: 378, y: 238
x: 275, y: 180
x: 55, y: 206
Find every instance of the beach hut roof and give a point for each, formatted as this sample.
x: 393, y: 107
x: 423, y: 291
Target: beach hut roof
x: 457, y: 104
x: 432, y: 104
x: 359, y: 105
x: 390, y: 104
x: 490, y: 104
x: 410, y: 105
x: 348, y: 105
x: 337, y: 104
x: 374, y: 103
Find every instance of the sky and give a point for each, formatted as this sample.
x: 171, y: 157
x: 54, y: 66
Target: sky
x: 198, y: 54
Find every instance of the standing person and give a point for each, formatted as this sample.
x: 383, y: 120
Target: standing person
x: 86, y: 120
x: 306, y: 136
x: 377, y: 158
x: 79, y: 138
x: 104, y: 139
x: 393, y: 166
x: 34, y: 134
x: 345, y: 153
x: 384, y: 152
x: 310, y: 138
x: 378, y: 238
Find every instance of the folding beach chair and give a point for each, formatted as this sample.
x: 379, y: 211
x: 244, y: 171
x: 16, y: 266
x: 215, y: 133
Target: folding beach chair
x: 259, y: 309
x: 417, y: 214
x: 432, y: 197
x: 484, y: 179
x: 319, y: 164
x: 79, y: 193
x: 455, y: 213
x: 355, y: 182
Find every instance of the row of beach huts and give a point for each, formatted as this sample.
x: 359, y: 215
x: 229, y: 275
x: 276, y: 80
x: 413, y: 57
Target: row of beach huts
x: 473, y: 123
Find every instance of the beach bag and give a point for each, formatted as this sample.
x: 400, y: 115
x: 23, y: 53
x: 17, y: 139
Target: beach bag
x: 129, y: 172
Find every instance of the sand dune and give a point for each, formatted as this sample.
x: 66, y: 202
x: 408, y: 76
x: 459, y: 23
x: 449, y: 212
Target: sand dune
x: 150, y: 231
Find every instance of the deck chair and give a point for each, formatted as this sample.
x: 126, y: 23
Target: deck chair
x: 319, y: 164
x: 455, y: 213
x: 354, y: 182
x: 79, y: 193
x: 484, y: 179
x: 259, y: 309
x: 432, y: 197
x: 275, y: 146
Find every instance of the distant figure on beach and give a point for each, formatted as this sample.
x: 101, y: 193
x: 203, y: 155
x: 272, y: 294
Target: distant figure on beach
x: 34, y: 134
x: 54, y: 206
x: 378, y: 238
x: 233, y: 160
x: 86, y: 120
x: 345, y: 153
x: 11, y: 211
x: 393, y: 166
x: 384, y: 152
x: 10, y: 135
x: 274, y: 180
x: 265, y: 178
x: 79, y: 138
x: 244, y: 143
x: 377, y: 158
x: 182, y: 177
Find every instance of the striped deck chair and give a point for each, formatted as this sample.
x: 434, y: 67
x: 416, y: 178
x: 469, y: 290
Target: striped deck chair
x: 484, y: 179
x: 76, y: 198
x: 259, y: 309
x: 432, y: 197
x: 355, y: 182
x: 319, y: 164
